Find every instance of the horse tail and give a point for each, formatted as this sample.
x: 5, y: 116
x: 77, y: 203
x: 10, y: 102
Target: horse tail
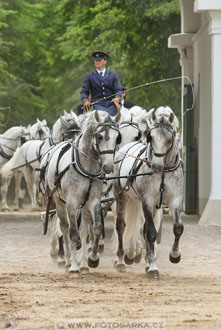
x: 134, y: 222
x: 7, y: 168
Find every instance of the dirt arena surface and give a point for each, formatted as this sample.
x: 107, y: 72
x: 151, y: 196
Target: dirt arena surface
x: 36, y: 294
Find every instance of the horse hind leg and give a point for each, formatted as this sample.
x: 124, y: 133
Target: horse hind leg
x: 178, y: 227
x: 54, y: 239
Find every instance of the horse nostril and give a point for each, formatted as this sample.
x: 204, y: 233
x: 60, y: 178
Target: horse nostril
x: 156, y: 168
x: 108, y: 169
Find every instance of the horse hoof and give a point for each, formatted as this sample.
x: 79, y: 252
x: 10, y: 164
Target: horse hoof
x: 16, y: 209
x: 67, y: 267
x: 92, y: 263
x: 84, y: 270
x: 101, y: 248
x: 61, y: 263
x: 74, y: 273
x: 6, y: 209
x: 128, y: 261
x: 137, y: 259
x: 54, y: 256
x: 147, y: 268
x: 78, y: 245
x: 121, y: 268
x: 174, y: 260
x: 153, y: 274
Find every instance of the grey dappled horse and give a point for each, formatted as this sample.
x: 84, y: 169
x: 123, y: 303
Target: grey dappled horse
x: 159, y: 180
x: 73, y: 175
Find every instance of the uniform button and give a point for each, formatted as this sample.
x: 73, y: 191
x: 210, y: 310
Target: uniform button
x: 102, y: 82
x: 102, y: 87
x: 103, y: 93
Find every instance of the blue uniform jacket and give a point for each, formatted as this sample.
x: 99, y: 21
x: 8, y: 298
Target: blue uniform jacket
x: 101, y: 87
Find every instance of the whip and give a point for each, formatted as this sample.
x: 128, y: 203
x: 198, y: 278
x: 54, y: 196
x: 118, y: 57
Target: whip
x: 153, y: 83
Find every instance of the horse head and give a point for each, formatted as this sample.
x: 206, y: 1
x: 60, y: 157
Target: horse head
x: 66, y: 127
x: 70, y: 125
x: 130, y: 125
x: 102, y: 136
x: 39, y: 130
x: 161, y: 137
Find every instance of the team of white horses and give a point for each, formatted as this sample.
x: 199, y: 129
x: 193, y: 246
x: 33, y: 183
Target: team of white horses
x: 136, y: 153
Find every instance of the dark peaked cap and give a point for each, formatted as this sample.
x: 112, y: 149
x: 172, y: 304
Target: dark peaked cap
x: 99, y: 55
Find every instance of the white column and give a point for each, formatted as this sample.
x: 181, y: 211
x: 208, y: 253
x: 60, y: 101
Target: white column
x: 212, y: 212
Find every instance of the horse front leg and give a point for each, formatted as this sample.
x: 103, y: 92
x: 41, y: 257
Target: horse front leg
x: 74, y: 238
x: 121, y: 203
x: 83, y: 229
x: 178, y: 227
x: 93, y: 258
x: 4, y: 192
x: 150, y: 235
x: 62, y: 222
x: 18, y: 177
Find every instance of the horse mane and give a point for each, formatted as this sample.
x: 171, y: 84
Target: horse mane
x: 15, y: 130
x: 91, y: 123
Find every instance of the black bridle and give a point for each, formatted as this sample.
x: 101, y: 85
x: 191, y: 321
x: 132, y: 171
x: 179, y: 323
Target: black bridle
x: 170, y: 129
x: 105, y: 126
x: 132, y: 124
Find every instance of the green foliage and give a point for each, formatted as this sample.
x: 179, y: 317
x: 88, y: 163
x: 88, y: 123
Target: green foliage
x: 46, y: 46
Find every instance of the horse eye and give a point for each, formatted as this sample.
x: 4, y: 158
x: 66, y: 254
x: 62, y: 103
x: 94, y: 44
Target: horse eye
x: 100, y: 137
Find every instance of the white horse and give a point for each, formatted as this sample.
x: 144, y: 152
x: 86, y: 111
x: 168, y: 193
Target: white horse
x: 10, y: 141
x: 73, y: 178
x: 154, y: 175
x: 27, y: 158
x: 39, y: 130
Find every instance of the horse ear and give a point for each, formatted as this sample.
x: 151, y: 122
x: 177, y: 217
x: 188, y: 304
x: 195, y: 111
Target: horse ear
x: 44, y: 122
x: 63, y: 121
x: 28, y: 127
x: 118, y: 116
x: 153, y: 115
x: 65, y: 113
x: 171, y: 118
x: 38, y: 121
x: 96, y: 115
x: 179, y: 140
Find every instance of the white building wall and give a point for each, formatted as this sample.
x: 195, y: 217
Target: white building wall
x: 201, y: 32
x: 202, y: 84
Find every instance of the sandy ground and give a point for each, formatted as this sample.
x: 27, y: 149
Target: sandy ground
x: 36, y: 294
